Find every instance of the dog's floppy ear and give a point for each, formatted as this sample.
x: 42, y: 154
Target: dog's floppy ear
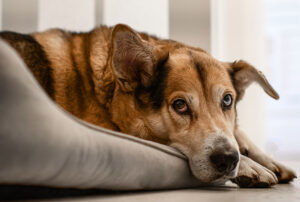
x: 243, y: 74
x: 133, y: 59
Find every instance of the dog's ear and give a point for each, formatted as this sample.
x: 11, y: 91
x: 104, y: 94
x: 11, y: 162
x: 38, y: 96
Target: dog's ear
x: 243, y: 74
x: 133, y: 59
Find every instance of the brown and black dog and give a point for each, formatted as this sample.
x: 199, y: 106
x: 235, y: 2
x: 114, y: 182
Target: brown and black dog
x: 158, y: 90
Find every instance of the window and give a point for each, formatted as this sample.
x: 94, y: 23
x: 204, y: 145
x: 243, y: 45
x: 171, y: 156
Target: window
x: 283, y: 38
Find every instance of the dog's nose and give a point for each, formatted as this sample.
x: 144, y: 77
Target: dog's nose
x: 225, y: 162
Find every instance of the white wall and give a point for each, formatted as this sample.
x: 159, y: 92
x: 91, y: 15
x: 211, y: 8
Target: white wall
x: 74, y: 15
x: 238, y: 33
x: 190, y: 22
x: 143, y: 15
x: 19, y: 16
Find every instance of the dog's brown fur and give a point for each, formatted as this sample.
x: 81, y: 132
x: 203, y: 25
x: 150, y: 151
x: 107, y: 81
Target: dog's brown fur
x: 127, y: 81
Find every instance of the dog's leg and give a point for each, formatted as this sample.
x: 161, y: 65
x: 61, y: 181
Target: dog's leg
x: 248, y: 148
x: 252, y: 174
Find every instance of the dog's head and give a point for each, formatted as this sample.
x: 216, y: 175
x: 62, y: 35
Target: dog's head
x: 181, y: 96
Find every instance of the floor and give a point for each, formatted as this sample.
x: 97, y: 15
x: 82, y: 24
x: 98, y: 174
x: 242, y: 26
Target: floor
x: 287, y: 193
x: 230, y: 193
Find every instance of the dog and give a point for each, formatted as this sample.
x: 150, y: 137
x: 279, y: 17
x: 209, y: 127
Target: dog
x: 158, y: 90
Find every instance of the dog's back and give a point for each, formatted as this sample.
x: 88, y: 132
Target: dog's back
x: 65, y: 65
x: 34, y: 56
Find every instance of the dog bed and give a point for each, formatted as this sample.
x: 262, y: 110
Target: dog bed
x: 43, y: 145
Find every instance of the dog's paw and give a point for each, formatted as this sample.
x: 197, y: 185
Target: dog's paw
x: 252, y: 174
x: 284, y: 174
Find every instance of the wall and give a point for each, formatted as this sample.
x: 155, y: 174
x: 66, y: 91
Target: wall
x: 21, y: 18
x: 143, y: 15
x: 190, y: 22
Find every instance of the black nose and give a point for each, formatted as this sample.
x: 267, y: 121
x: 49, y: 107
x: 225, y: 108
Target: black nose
x: 225, y: 161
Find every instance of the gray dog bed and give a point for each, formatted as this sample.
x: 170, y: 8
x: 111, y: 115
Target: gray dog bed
x: 43, y: 145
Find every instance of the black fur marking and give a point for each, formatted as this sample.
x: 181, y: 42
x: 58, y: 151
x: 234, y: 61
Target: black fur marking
x: 157, y: 94
x: 201, y: 71
x: 156, y: 91
x: 202, y: 75
x: 34, y: 56
x: 231, y: 75
x: 79, y: 84
x: 89, y: 69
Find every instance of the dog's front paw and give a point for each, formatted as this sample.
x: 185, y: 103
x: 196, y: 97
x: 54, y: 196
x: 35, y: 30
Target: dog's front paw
x: 283, y: 173
x: 252, y: 174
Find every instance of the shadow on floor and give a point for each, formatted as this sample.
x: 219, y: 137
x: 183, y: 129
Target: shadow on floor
x: 19, y: 192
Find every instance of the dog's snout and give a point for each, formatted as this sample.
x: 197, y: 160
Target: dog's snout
x: 225, y: 161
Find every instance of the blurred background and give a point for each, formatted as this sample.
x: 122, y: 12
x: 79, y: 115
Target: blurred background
x: 265, y: 33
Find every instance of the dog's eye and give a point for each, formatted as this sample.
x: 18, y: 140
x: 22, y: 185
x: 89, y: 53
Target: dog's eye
x: 227, y: 101
x: 180, y: 106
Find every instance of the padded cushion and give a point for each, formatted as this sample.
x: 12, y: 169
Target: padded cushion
x: 41, y: 144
